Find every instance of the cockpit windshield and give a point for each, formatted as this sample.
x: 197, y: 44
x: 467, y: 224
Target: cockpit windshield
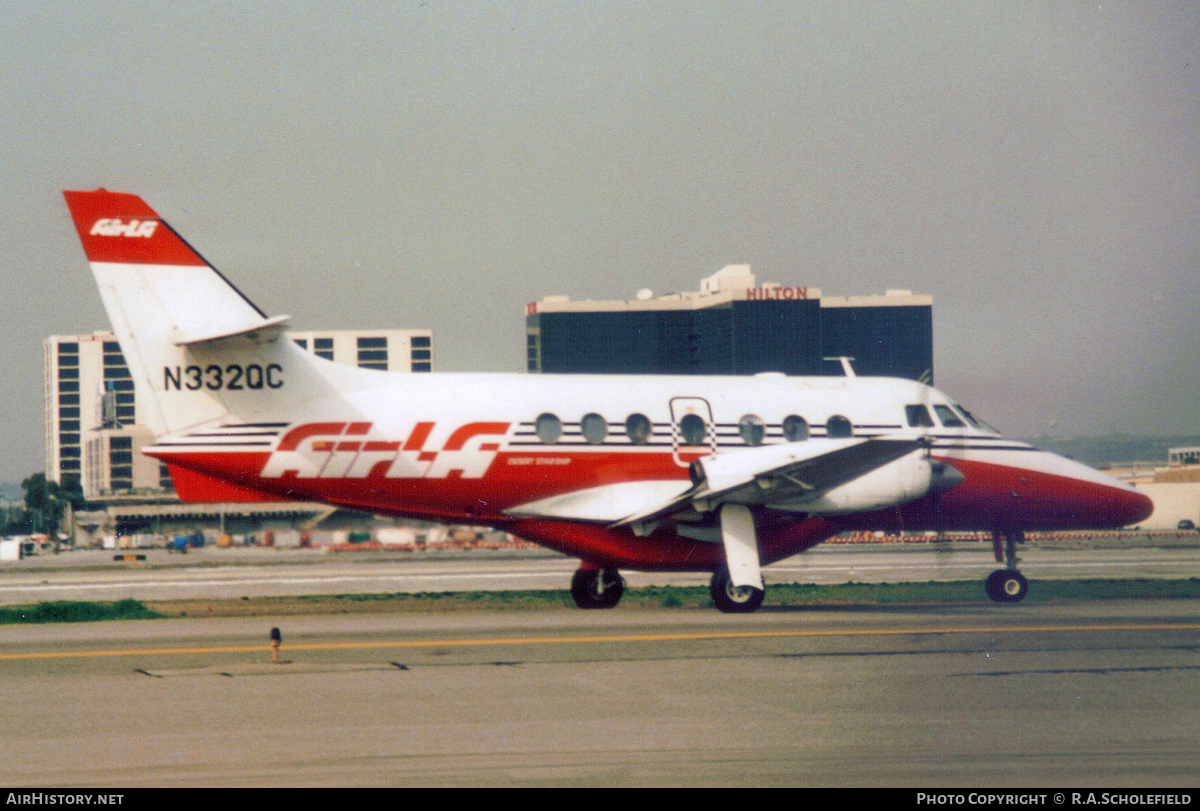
x: 974, y: 421
x: 949, y: 417
x: 966, y: 415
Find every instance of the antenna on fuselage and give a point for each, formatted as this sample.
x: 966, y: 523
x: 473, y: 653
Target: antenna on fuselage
x: 847, y: 369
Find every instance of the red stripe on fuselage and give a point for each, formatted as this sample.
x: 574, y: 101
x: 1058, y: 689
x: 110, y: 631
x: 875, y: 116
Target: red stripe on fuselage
x: 416, y: 440
x: 511, y: 479
x: 292, y: 439
x: 471, y: 430
x: 195, y: 486
x: 992, y: 496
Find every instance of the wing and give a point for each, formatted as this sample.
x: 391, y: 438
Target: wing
x: 787, y: 476
x: 790, y: 476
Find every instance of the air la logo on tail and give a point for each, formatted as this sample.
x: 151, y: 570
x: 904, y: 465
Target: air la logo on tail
x: 116, y: 228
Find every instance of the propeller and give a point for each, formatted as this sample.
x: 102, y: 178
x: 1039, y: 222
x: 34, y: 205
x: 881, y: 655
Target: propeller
x: 939, y: 468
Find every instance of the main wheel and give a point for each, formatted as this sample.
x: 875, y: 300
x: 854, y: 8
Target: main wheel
x: 1006, y: 586
x: 733, y: 599
x: 597, y: 588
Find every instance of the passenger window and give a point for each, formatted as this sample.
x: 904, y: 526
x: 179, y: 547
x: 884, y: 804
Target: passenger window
x: 549, y: 428
x: 692, y: 430
x: 918, y: 416
x: 637, y: 428
x: 838, y: 427
x: 595, y: 428
x: 752, y: 428
x: 948, y: 417
x: 795, y: 429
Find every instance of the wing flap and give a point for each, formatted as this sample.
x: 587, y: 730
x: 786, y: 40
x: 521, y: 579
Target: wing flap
x: 606, y: 503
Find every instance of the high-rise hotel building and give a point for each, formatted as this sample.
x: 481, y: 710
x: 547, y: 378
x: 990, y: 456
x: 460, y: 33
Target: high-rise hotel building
x: 734, y: 326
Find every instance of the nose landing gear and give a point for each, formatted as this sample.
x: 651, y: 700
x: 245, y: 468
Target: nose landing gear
x: 1004, y: 586
x: 1007, y: 585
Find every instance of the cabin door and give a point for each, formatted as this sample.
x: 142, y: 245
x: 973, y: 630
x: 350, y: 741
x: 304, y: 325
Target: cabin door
x: 693, y: 434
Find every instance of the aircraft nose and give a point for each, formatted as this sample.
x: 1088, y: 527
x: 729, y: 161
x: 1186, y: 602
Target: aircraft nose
x: 1099, y: 500
x: 1131, y: 507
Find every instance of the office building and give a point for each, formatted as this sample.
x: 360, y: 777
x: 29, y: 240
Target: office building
x: 389, y: 350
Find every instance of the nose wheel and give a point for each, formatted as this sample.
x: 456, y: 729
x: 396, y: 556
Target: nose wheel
x: 1007, y: 585
x: 1004, y: 586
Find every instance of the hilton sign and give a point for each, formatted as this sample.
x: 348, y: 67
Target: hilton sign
x: 774, y: 293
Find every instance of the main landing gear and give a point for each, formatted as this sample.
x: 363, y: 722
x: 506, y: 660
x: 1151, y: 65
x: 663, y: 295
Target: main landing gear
x: 603, y: 588
x: 733, y: 599
x: 597, y: 588
x: 736, y: 587
x: 1007, y: 585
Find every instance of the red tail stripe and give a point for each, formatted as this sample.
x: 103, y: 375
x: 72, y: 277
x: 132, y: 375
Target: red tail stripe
x: 120, y: 227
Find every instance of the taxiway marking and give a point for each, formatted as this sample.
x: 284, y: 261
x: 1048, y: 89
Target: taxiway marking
x: 575, y: 640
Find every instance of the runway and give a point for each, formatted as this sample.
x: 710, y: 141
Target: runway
x: 1089, y: 694
x: 1085, y: 694
x: 232, y: 573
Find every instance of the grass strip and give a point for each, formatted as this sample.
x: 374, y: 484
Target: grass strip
x: 669, y: 597
x: 781, y: 595
x: 72, y: 611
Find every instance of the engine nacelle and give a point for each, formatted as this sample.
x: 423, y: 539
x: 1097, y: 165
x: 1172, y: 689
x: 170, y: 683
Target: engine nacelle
x: 906, y: 479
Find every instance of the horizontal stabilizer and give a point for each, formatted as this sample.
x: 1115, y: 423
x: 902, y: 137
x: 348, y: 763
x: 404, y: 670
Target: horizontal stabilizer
x: 261, y: 333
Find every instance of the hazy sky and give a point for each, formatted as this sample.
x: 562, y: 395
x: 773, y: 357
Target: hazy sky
x: 1035, y: 167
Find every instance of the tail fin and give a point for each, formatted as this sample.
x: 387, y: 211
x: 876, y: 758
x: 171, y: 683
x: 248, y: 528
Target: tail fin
x: 195, y: 345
